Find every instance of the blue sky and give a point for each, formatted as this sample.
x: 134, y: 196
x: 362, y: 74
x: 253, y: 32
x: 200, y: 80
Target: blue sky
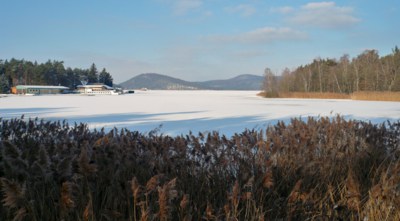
x: 194, y: 39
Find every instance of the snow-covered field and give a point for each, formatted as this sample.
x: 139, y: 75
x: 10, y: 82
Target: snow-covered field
x: 177, y: 112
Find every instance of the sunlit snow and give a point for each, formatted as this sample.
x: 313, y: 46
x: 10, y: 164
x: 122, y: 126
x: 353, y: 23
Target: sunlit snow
x: 178, y: 112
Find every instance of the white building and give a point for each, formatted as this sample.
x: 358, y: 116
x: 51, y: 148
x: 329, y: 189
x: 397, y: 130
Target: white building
x: 38, y: 89
x: 96, y: 89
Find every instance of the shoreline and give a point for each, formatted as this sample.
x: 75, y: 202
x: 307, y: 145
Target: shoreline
x: 360, y: 96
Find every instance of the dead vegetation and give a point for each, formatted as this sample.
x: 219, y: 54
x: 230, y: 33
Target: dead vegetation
x: 364, y: 95
x: 376, y: 96
x: 313, y: 169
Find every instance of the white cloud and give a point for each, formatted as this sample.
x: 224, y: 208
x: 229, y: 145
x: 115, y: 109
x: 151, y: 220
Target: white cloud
x: 261, y: 35
x: 243, y: 10
x: 318, y: 5
x: 182, y: 7
x: 324, y: 14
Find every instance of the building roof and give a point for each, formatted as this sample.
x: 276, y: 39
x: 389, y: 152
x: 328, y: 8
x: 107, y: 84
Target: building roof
x: 21, y: 87
x: 95, y: 86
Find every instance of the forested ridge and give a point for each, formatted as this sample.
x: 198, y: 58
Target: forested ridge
x: 16, y: 72
x: 366, y: 72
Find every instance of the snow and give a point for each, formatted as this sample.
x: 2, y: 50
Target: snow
x: 178, y: 112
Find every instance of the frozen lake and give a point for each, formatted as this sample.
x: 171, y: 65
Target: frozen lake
x: 177, y: 112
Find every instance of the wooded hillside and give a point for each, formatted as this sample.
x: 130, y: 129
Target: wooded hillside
x: 366, y: 72
x: 15, y: 72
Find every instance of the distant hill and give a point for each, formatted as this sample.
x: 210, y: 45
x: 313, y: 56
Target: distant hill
x: 162, y: 82
x: 158, y: 82
x: 241, y: 82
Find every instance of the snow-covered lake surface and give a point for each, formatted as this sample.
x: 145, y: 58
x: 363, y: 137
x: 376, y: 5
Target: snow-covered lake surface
x: 178, y: 112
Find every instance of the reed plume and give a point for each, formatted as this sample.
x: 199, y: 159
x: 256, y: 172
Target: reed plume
x: 209, y: 213
x: 14, y: 193
x: 295, y: 193
x: 166, y: 194
x: 235, y: 199
x: 248, y: 188
x: 268, y: 180
x: 15, y: 198
x: 153, y: 183
x: 145, y: 213
x: 136, y: 190
x: 88, y: 212
x: 352, y: 192
x: 66, y: 201
x: 85, y: 167
x: 184, y: 202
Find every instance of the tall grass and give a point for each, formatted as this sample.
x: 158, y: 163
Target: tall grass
x: 363, y: 95
x: 314, y: 95
x: 313, y: 169
x: 376, y: 96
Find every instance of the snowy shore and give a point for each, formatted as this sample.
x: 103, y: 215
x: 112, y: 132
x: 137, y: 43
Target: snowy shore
x: 178, y: 112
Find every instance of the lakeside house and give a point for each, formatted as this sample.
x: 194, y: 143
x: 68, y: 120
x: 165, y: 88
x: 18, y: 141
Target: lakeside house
x: 38, y: 89
x: 92, y: 89
x: 96, y: 89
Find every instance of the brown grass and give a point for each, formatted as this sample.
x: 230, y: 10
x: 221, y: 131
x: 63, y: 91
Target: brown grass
x: 310, y: 169
x: 364, y: 95
x: 314, y: 95
x: 376, y: 96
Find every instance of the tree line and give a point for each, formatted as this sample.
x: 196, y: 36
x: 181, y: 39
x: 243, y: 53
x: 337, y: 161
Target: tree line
x: 21, y: 72
x: 366, y: 72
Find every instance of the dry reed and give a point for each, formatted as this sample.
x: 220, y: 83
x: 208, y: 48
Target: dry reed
x: 376, y: 96
x: 314, y: 95
x: 309, y: 169
x: 362, y: 95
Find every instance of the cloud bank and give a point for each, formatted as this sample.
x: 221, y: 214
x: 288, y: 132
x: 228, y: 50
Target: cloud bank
x: 261, y: 35
x: 181, y: 7
x: 324, y: 15
x: 244, y: 10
